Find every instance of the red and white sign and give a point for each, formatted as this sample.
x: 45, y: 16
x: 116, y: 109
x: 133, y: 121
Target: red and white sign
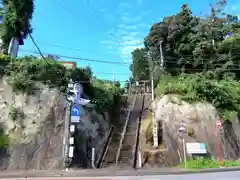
x: 219, y: 124
x: 69, y: 64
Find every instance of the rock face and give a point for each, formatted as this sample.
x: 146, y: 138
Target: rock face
x: 200, y: 121
x: 91, y: 133
x: 36, y: 135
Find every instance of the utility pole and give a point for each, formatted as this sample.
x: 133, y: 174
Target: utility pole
x: 161, y: 54
x: 13, y: 48
x: 114, y: 79
x: 213, y: 40
x: 113, y: 75
x: 155, y: 126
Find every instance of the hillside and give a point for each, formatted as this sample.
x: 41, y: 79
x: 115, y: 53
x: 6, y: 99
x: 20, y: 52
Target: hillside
x: 33, y: 111
x: 194, y: 62
x: 195, y: 102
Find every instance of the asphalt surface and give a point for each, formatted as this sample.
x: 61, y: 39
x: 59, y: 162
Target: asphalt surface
x: 231, y: 175
x: 117, y: 172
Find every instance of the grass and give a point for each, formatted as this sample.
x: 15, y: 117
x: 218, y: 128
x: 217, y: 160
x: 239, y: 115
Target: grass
x: 208, y: 163
x: 146, y: 129
x: 4, y: 139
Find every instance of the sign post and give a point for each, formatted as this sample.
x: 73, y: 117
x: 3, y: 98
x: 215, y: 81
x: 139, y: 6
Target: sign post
x: 219, y: 125
x: 75, y: 113
x: 196, y: 148
x: 76, y: 100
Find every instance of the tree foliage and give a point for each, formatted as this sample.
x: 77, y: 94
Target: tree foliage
x: 24, y: 73
x: 223, y: 94
x: 16, y: 20
x: 206, y: 50
x: 193, y: 44
x: 140, y: 66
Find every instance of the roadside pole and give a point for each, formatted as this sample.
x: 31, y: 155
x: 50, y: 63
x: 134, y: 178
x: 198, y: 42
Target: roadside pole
x: 219, y: 125
x: 184, y: 153
x: 154, y: 123
x: 181, y: 131
x: 76, y: 102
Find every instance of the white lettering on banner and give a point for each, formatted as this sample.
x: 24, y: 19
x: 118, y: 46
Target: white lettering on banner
x: 75, y: 119
x: 196, y: 148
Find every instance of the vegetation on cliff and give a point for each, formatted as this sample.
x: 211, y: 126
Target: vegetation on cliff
x: 16, y: 20
x: 224, y: 94
x: 25, y: 74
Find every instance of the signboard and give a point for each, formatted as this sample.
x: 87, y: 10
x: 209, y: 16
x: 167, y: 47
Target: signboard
x: 72, y: 129
x: 75, y: 113
x: 155, y: 134
x: 69, y: 64
x: 196, y: 148
x: 78, y: 90
x: 71, y: 141
x: 70, y: 151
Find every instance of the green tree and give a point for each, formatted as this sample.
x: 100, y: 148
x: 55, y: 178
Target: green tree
x: 17, y: 20
x: 140, y: 66
x: 194, y: 44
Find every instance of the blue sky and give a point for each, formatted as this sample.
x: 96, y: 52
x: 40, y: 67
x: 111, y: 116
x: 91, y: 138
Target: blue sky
x: 106, y: 30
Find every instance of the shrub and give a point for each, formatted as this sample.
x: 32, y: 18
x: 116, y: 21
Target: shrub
x: 223, y: 94
x: 16, y: 113
x: 4, y: 139
x: 23, y: 73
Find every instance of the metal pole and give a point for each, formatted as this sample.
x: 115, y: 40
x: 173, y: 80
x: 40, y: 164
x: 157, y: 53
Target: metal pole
x: 13, y: 48
x: 219, y: 147
x: 184, y: 152
x: 113, y: 76
x: 93, y: 157
x: 155, y: 125
x: 161, y: 54
x: 113, y: 80
x: 66, y: 133
x: 139, y: 159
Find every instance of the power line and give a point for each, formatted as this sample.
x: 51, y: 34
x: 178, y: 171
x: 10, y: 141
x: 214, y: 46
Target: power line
x: 79, y: 58
x: 73, y: 49
x: 104, y: 22
x: 168, y: 59
x: 35, y: 44
x: 64, y: 7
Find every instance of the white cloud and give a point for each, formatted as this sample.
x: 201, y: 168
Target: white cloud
x: 133, y: 42
x: 128, y: 34
x: 109, y: 42
x: 132, y: 27
x: 133, y: 19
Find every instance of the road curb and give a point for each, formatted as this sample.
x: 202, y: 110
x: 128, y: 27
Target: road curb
x: 107, y: 172
x: 189, y: 171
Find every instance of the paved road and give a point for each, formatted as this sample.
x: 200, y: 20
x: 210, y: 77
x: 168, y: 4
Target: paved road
x: 232, y: 175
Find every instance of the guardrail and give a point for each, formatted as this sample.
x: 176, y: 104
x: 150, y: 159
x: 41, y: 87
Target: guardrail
x: 137, y: 135
x: 103, y: 153
x: 124, y: 130
x: 105, y: 148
